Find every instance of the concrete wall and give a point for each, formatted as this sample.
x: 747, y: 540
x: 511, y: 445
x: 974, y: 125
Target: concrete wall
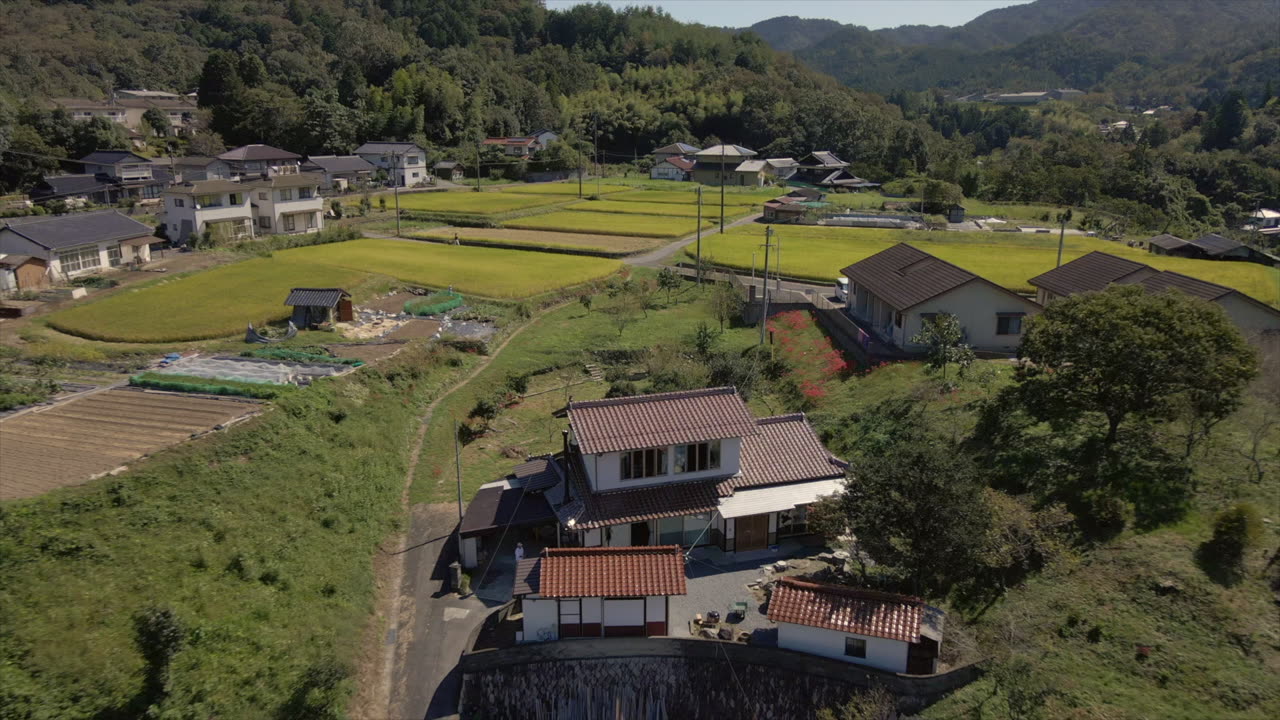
x: 889, y: 655
x: 605, y: 469
x: 541, y: 620
x: 1251, y: 319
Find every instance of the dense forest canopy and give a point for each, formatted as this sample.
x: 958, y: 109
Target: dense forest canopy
x: 326, y: 75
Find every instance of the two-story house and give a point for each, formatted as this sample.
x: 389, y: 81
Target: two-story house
x: 676, y: 149
x: 249, y: 162
x: 129, y: 107
x: 720, y: 164
x: 193, y: 168
x: 130, y: 175
x: 404, y: 162
x: 220, y: 206
x: 287, y: 204
x: 339, y: 172
x: 894, y: 292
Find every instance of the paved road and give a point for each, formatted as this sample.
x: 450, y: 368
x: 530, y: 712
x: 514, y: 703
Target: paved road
x: 660, y: 257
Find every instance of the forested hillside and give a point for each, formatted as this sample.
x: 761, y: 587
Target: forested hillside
x: 1142, y: 52
x: 324, y: 76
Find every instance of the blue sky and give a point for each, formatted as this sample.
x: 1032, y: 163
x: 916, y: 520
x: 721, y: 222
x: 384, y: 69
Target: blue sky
x: 871, y: 13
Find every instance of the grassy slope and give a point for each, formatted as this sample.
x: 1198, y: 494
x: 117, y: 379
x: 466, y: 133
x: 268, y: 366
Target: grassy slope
x: 561, y: 338
x: 208, y: 304
x: 609, y: 224
x: 489, y: 272
x: 260, y: 539
x: 485, y: 203
x: 1009, y: 259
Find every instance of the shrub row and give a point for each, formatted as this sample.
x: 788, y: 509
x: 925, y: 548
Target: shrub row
x: 299, y: 356
x: 209, y: 386
x: 436, y: 302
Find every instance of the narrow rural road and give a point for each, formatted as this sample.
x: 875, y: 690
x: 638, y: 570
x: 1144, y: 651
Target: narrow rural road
x: 427, y: 625
x: 660, y: 257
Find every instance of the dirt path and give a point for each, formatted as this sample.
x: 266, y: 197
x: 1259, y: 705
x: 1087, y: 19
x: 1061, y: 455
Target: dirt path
x: 396, y: 603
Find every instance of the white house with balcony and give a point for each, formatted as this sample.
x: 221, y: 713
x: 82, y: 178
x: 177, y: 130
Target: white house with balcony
x: 249, y: 162
x: 220, y: 206
x: 894, y: 292
x: 287, y: 204
x: 125, y: 174
x: 404, y: 162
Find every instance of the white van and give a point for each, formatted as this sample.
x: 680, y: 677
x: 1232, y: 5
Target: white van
x: 842, y: 289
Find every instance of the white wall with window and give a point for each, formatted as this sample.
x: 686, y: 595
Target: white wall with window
x: 77, y: 261
x: 992, y: 318
x: 874, y: 652
x: 653, y: 466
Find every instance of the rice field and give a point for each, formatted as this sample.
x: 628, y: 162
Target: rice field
x: 603, y: 223
x: 472, y: 203
x: 1008, y: 259
x: 536, y: 239
x: 710, y: 196
x: 210, y: 304
x: 648, y: 208
x: 564, y: 188
x: 487, y: 272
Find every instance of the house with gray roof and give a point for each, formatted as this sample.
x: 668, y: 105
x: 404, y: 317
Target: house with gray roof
x: 894, y: 292
x: 405, y: 163
x: 719, y: 165
x: 340, y: 171
x: 78, y: 243
x: 258, y: 160
x: 677, y: 149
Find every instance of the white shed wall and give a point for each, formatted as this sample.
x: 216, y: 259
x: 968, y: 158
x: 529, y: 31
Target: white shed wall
x: 884, y: 654
x: 541, y: 620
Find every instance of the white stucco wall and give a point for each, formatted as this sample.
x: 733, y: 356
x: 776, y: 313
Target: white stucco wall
x: 592, y: 610
x: 605, y: 469
x: 1247, y: 316
x: 592, y: 538
x: 541, y: 620
x: 624, y: 613
x: 884, y: 654
x: 976, y: 305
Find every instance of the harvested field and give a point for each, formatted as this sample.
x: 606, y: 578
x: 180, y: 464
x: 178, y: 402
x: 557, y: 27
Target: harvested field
x: 652, y: 208
x: 415, y: 329
x: 564, y: 188
x: 599, y: 223
x: 612, y: 244
x: 368, y: 352
x: 68, y: 444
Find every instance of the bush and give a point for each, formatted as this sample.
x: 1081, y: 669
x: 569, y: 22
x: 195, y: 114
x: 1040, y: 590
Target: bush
x: 517, y: 383
x: 1235, y: 530
x: 434, y: 303
x: 622, y: 388
x: 95, y: 282
x: 208, y: 386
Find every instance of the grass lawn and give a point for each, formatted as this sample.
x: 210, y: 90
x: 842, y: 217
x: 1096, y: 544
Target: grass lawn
x: 259, y: 540
x: 617, y: 244
x: 210, y: 304
x: 472, y: 203
x: 487, y: 272
x: 1008, y: 259
x: 558, y: 339
x: 710, y: 197
x: 604, y: 223
x: 564, y: 188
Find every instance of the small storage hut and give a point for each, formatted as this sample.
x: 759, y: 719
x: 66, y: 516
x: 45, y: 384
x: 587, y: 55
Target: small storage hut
x: 316, y: 306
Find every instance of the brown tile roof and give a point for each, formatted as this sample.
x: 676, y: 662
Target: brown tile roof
x: 786, y: 450
x: 658, y: 420
x: 537, y: 473
x: 590, y: 510
x: 607, y: 572
x: 1094, y: 271
x: 847, y: 609
x: 905, y: 277
x: 1176, y: 281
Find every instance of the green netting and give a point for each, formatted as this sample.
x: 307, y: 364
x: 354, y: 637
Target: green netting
x: 249, y: 390
x: 434, y: 303
x: 299, y: 356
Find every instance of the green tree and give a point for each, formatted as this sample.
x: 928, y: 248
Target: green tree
x: 943, y: 338
x: 157, y: 120
x: 251, y: 70
x: 704, y: 340
x: 875, y: 703
x: 206, y: 144
x: 669, y: 280
x: 726, y: 303
x: 1235, y: 530
x: 585, y: 299
x: 159, y: 635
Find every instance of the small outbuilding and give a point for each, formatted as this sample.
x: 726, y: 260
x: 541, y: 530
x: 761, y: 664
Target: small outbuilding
x: 598, y: 592
x: 317, y: 306
x: 892, y: 632
x: 450, y: 170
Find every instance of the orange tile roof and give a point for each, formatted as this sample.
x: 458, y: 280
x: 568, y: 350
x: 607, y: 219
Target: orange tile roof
x: 661, y: 419
x: 847, y: 609
x: 610, y: 572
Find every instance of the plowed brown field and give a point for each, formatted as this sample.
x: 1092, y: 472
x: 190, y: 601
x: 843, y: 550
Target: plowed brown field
x: 70, y: 443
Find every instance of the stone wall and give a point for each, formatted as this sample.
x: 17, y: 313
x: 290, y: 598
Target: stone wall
x: 675, y: 678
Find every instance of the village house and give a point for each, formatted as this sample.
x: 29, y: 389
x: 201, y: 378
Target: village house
x: 129, y: 106
x: 220, y: 206
x: 339, y: 172
x: 677, y: 149
x: 686, y: 468
x: 781, y: 168
x: 129, y: 175
x: 891, y: 632
x: 250, y: 162
x: 1209, y: 247
x: 450, y: 170
x: 287, y: 204
x: 672, y: 168
x: 895, y: 291
x: 193, y: 168
x: 822, y: 168
x: 1264, y: 222
x: 598, y: 592
x: 1098, y: 270
x: 404, y: 162
x: 719, y: 165
x: 72, y: 245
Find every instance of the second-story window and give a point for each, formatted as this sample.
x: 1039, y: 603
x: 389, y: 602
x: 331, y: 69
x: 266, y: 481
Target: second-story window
x: 697, y: 457
x: 234, y: 199
x: 644, y: 463
x: 411, y: 160
x: 304, y: 193
x: 286, y: 194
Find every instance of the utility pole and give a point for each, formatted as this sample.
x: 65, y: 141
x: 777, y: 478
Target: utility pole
x: 764, y: 311
x: 457, y: 463
x: 395, y: 185
x: 698, y: 268
x: 1063, y: 218
x: 777, y: 267
x: 477, y: 166
x: 595, y: 151
x: 578, y: 151
x: 721, y: 187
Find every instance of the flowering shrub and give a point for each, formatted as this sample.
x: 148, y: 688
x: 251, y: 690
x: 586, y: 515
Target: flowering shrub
x: 815, y: 365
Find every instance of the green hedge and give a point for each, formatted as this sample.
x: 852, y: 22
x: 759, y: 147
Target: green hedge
x: 434, y: 303
x: 299, y: 356
x: 208, y: 386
